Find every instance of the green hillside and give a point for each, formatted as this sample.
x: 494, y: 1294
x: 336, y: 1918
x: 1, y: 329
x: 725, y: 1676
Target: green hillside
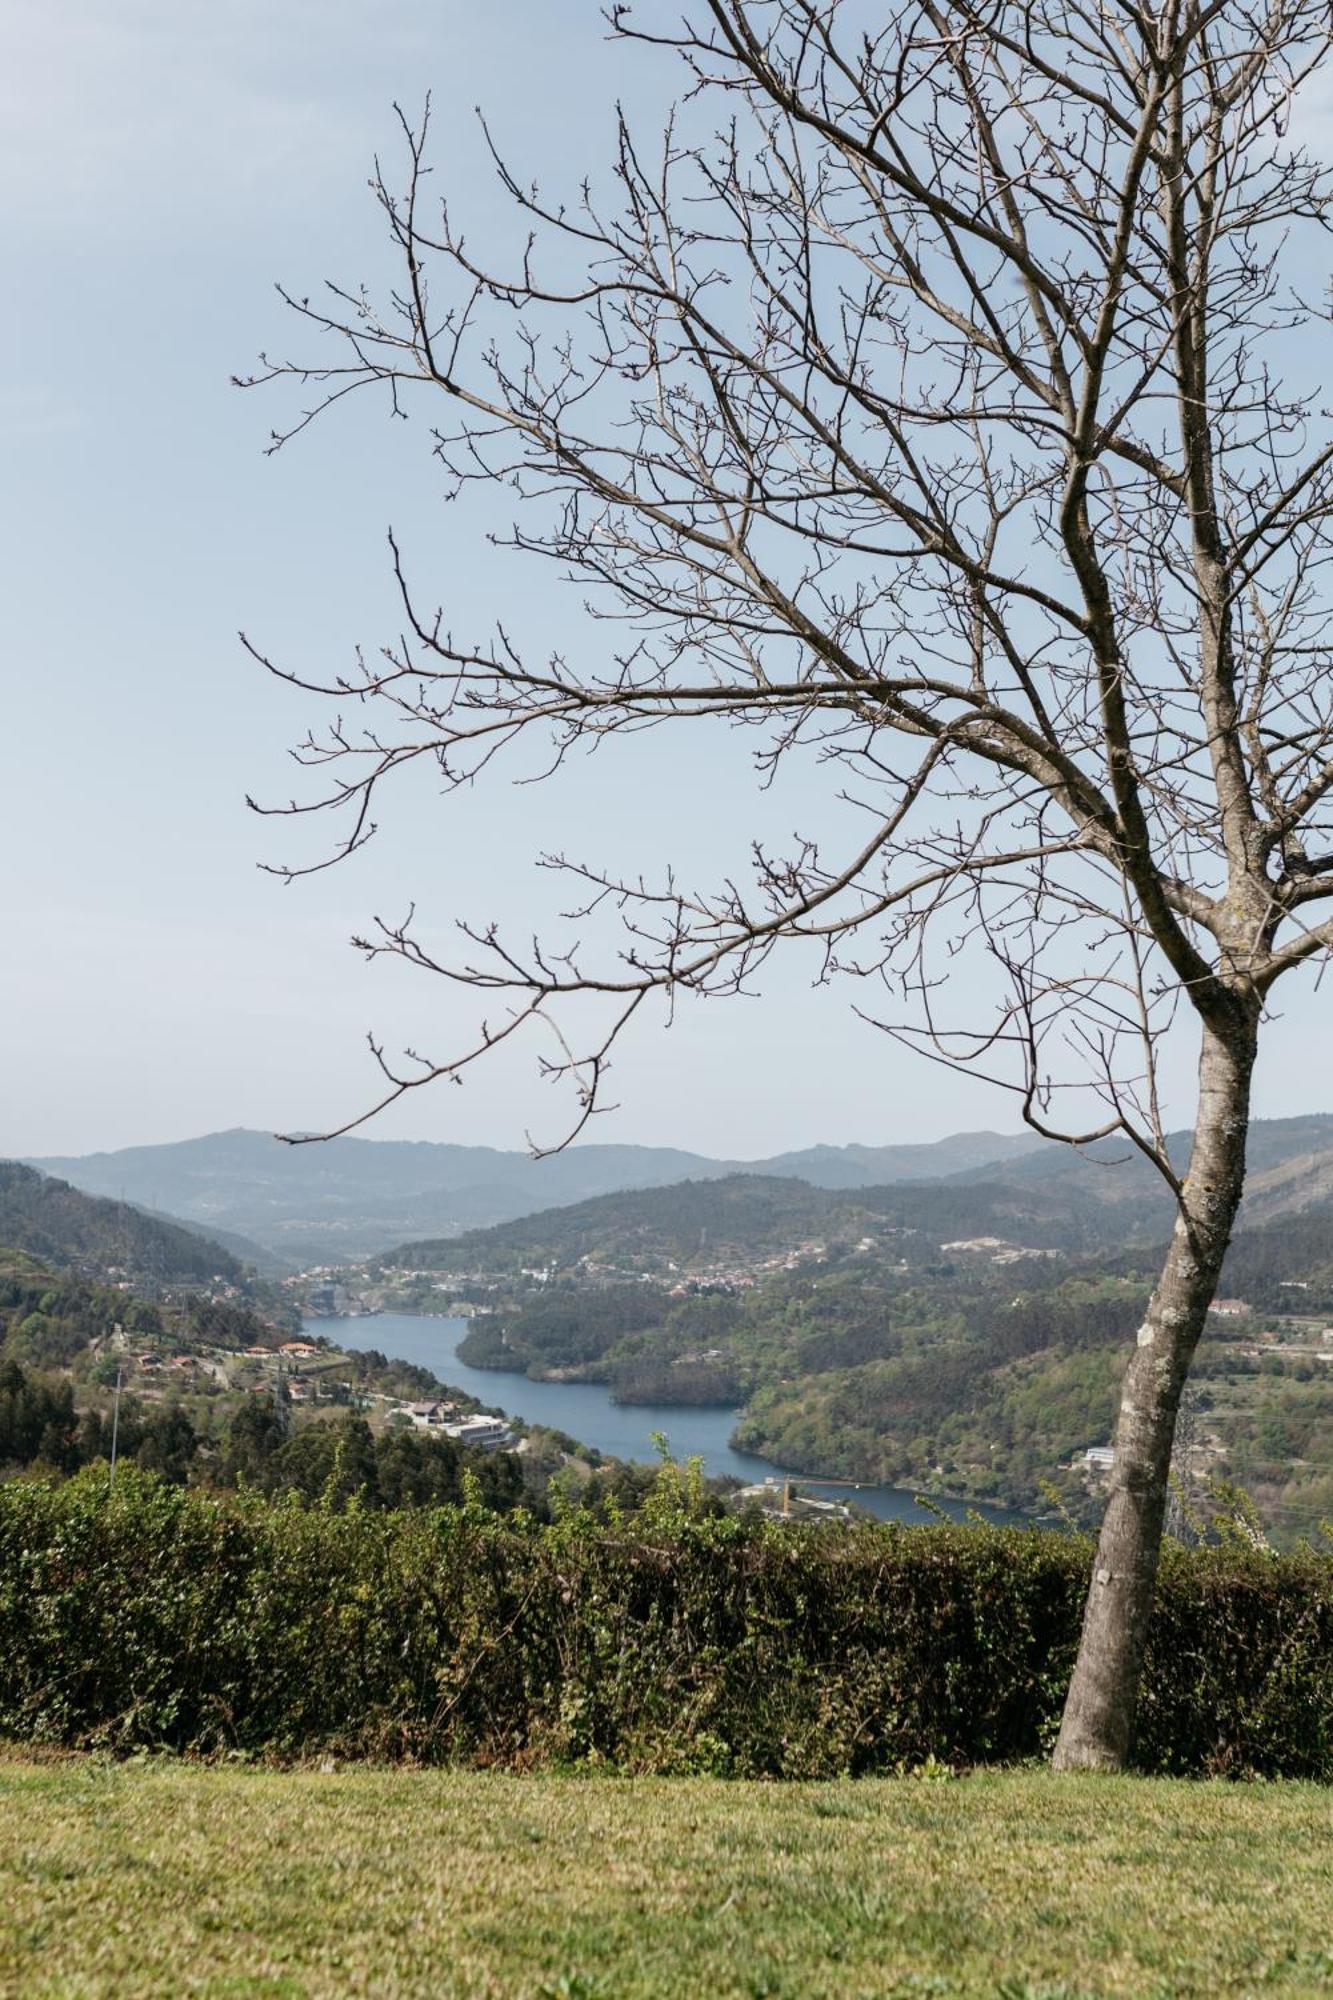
x: 1100, y: 1200
x: 61, y: 1225
x: 1268, y: 1264
x: 701, y: 1222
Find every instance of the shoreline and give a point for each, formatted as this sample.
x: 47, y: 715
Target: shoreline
x: 955, y: 1506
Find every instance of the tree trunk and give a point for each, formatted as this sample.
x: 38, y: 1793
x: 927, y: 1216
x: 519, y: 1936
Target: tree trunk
x: 1099, y: 1711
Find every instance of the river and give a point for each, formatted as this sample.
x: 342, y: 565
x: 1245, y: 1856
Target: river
x: 585, y: 1410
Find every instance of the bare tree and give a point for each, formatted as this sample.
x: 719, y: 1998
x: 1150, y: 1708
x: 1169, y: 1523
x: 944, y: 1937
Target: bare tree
x: 918, y: 398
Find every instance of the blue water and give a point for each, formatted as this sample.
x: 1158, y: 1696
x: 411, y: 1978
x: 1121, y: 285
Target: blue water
x: 585, y: 1410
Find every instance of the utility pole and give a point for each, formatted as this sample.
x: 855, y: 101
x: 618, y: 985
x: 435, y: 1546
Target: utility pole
x: 281, y: 1404
x: 115, y: 1420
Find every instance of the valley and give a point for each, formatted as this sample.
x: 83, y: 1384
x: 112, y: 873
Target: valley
x: 959, y: 1336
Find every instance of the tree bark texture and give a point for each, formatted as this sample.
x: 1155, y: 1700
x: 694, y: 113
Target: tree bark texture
x: 1097, y: 1730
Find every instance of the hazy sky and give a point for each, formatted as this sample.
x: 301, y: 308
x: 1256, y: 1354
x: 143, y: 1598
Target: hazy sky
x: 162, y: 163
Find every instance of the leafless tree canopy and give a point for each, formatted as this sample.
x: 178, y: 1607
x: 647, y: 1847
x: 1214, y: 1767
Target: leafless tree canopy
x: 941, y: 396
x: 938, y: 391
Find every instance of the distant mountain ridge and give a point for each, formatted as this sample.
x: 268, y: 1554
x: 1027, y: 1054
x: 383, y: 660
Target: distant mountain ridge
x: 351, y: 1198
x: 355, y: 1198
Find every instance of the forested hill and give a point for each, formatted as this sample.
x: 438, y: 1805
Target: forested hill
x: 264, y: 1262
x: 1286, y: 1263
x: 1110, y: 1205
x: 64, y: 1227
x: 704, y: 1222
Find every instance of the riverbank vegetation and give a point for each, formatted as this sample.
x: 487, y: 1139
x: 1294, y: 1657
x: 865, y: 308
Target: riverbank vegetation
x: 141, y: 1879
x: 961, y: 1379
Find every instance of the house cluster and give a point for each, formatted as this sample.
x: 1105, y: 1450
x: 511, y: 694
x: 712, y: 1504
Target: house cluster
x: 724, y: 1274
x: 994, y: 1247
x: 724, y: 1270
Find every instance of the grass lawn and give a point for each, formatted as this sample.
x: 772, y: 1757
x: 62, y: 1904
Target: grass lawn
x: 159, y: 1878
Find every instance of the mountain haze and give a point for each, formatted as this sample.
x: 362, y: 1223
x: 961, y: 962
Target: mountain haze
x: 351, y: 1198
x: 354, y: 1198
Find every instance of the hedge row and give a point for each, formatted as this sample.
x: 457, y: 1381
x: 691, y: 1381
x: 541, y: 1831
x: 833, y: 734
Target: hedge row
x: 161, y: 1618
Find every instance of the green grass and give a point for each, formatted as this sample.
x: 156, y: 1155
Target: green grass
x: 158, y: 1878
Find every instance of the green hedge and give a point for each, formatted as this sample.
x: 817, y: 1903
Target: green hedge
x: 161, y: 1618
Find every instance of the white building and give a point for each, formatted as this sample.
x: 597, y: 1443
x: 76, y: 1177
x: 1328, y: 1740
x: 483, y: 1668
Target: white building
x: 485, y: 1433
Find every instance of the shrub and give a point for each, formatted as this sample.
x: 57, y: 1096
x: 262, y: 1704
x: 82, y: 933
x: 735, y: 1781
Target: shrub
x: 152, y: 1616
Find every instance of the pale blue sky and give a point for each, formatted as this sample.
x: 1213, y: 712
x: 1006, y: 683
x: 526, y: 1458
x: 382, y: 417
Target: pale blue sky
x: 162, y: 162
